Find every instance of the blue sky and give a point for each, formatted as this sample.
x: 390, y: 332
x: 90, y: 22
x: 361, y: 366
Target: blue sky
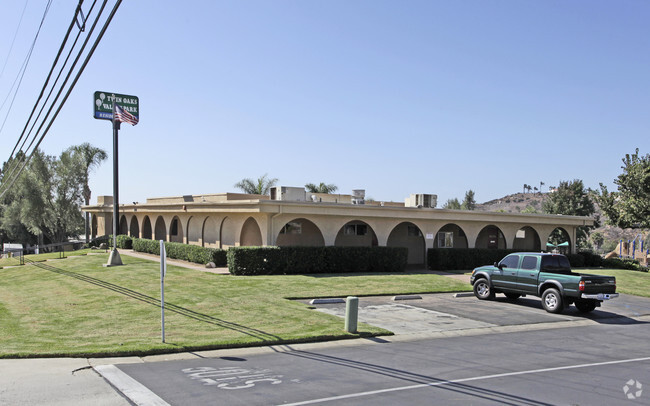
x: 395, y: 97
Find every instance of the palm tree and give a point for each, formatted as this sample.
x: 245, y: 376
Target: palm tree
x: 540, y: 187
x: 322, y: 188
x: 89, y: 158
x: 262, y: 186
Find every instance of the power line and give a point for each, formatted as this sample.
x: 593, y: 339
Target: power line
x: 23, y: 69
x: 20, y: 21
x: 8, y: 183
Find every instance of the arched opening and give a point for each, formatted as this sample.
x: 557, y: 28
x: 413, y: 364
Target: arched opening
x: 160, y: 231
x: 300, y: 232
x: 210, y: 232
x: 491, y: 237
x: 228, y: 231
x: 93, y: 227
x: 559, y: 241
x: 134, y: 229
x: 450, y: 236
x: 527, y: 239
x: 146, y: 228
x: 123, y: 226
x: 176, y: 230
x: 410, y: 236
x: 251, y: 236
x: 356, y: 234
x: 194, y: 231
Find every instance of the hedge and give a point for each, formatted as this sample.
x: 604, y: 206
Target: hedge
x: 311, y: 260
x: 443, y: 259
x: 185, y: 252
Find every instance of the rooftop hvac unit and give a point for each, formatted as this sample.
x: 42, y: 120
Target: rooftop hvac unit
x: 358, y: 196
x: 422, y: 200
x: 286, y: 193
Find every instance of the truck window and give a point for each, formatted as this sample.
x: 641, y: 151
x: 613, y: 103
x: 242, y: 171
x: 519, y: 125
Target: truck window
x: 529, y: 262
x: 511, y: 261
x: 556, y: 264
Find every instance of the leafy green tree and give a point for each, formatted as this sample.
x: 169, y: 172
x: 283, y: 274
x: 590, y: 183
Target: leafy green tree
x: 322, y: 188
x: 571, y: 199
x: 469, y: 203
x: 89, y: 158
x: 45, y: 199
x: 597, y: 238
x: 630, y: 205
x: 262, y: 186
x: 452, y: 204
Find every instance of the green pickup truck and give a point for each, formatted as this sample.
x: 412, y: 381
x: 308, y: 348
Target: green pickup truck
x: 548, y: 276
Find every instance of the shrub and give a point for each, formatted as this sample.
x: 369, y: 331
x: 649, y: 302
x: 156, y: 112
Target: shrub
x: 185, y: 252
x: 624, y: 263
x: 443, y: 259
x: 310, y: 260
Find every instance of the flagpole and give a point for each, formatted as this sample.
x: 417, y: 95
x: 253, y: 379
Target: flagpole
x: 114, y: 258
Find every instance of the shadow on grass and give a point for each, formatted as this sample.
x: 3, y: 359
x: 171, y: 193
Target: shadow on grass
x: 259, y: 334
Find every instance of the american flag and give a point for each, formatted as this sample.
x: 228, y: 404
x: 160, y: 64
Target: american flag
x: 123, y: 116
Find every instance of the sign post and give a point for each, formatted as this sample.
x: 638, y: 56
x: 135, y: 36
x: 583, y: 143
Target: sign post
x: 117, y: 108
x: 163, y: 273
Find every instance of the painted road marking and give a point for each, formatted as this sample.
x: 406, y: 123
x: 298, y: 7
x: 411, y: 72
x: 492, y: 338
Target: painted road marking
x: 454, y: 381
x: 132, y: 389
x: 232, y: 377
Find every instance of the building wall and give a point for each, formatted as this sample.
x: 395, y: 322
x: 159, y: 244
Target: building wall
x: 224, y: 221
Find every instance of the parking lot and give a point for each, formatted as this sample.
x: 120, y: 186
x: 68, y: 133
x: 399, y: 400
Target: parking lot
x: 443, y: 312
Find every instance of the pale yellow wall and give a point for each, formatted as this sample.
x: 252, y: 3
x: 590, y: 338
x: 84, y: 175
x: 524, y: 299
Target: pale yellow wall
x: 310, y: 236
x: 399, y: 237
x: 250, y: 234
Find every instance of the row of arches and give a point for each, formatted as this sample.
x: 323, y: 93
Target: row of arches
x: 224, y: 232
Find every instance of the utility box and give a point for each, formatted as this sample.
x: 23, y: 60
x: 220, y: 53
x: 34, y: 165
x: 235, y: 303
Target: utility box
x: 286, y: 193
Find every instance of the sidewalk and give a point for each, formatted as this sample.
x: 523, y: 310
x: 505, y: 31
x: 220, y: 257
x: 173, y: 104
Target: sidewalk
x: 175, y: 262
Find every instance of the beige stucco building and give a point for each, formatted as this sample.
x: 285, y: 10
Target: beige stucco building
x: 289, y: 217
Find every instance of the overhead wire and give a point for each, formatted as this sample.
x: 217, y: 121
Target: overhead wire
x: 13, y: 176
x: 23, y: 69
x: 13, y: 41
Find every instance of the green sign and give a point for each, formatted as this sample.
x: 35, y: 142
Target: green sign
x: 104, y: 104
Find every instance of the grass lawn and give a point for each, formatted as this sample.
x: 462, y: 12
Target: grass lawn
x: 13, y: 261
x: 76, y: 307
x: 628, y: 282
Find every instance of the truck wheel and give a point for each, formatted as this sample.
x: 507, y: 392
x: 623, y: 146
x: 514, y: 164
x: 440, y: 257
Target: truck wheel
x: 512, y: 296
x: 585, y: 306
x: 483, y: 290
x: 552, y: 301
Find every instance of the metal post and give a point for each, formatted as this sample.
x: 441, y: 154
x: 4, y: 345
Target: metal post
x: 163, y: 271
x: 351, y: 314
x: 114, y: 259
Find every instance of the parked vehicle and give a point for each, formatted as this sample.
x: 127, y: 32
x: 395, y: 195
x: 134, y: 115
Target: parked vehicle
x: 548, y: 276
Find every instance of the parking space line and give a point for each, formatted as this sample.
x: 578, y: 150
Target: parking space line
x: 454, y: 381
x: 132, y: 389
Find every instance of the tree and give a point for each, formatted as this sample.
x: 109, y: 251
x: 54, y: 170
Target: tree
x: 540, y: 186
x: 571, y: 199
x: 322, y: 188
x: 89, y: 158
x: 630, y: 205
x: 598, y: 239
x: 452, y: 204
x: 469, y: 203
x: 262, y: 186
x: 525, y: 188
x: 46, y: 199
